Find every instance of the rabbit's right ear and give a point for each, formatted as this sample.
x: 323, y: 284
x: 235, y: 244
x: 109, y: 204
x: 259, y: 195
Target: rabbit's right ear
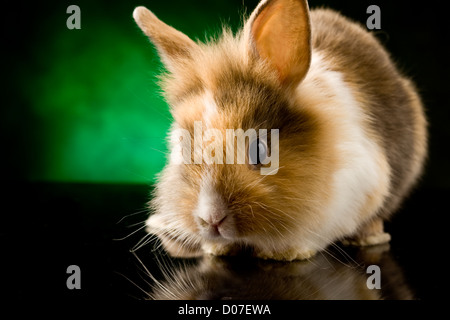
x: 279, y: 31
x: 172, y: 45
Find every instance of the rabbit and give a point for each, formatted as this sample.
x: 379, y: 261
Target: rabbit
x: 351, y: 135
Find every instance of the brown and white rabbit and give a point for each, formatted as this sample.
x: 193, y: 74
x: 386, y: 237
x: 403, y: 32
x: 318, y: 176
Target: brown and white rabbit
x: 352, y: 135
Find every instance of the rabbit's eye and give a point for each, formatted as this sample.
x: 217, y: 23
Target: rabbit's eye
x: 257, y: 151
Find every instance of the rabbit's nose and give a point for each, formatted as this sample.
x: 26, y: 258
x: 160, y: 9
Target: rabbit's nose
x: 212, y: 218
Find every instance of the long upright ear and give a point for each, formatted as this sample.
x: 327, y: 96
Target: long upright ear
x: 280, y: 31
x: 172, y: 45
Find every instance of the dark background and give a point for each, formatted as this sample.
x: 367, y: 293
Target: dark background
x: 52, y: 219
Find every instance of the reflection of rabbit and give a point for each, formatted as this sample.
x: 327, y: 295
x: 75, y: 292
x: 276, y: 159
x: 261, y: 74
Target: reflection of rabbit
x: 323, y: 277
x: 352, y: 134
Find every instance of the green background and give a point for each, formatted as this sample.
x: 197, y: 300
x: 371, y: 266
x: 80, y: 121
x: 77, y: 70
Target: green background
x: 84, y: 105
x: 95, y: 112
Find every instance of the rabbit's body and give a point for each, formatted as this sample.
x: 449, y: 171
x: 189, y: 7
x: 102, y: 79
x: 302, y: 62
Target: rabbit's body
x: 390, y: 110
x: 352, y: 135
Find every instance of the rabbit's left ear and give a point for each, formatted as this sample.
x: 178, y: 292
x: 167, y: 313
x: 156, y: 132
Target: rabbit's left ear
x: 280, y: 32
x: 172, y: 45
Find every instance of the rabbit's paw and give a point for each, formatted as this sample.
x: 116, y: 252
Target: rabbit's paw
x: 369, y: 240
x: 220, y: 249
x: 289, y: 254
x: 370, y: 234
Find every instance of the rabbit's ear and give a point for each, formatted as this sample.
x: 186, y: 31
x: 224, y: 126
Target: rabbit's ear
x: 280, y: 31
x: 172, y: 45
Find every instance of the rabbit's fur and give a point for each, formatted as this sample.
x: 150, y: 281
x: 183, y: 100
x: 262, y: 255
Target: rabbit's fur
x: 352, y: 134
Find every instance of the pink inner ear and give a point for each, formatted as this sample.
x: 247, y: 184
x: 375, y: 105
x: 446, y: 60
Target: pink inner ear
x: 281, y: 34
